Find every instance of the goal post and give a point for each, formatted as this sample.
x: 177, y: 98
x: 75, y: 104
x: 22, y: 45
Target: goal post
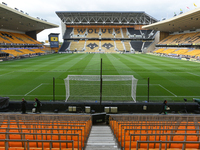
x: 87, y: 87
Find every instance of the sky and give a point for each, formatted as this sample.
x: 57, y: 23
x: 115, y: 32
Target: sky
x: 46, y: 9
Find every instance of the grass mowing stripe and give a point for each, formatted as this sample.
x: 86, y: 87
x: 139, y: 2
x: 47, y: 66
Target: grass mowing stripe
x: 109, y: 65
x: 93, y: 66
x: 21, y: 76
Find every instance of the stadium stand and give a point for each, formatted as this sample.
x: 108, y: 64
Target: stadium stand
x: 77, y: 45
x: 125, y: 33
x: 97, y: 27
x: 17, y: 39
x: 65, y: 46
x: 180, y: 51
x: 101, y: 35
x: 117, y: 32
x: 160, y: 50
x: 137, y: 45
x: 104, y: 35
x: 155, y: 132
x: 135, y: 33
x: 92, y: 46
x: 181, y: 39
x: 169, y: 51
x: 16, y: 52
x: 127, y: 45
x: 108, y: 46
x: 107, y: 33
x: 120, y: 46
x: 68, y: 33
x: 44, y: 132
x: 93, y: 32
x: 195, y: 52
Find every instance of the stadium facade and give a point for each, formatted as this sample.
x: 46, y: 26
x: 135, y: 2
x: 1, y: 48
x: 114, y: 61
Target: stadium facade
x: 106, y: 32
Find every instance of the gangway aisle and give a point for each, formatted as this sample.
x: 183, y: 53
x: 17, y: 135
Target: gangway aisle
x: 101, y: 138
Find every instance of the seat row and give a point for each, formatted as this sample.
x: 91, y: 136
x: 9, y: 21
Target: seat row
x: 17, y: 38
x: 132, y: 133
x: 181, y: 39
x: 21, y: 52
x: 44, y: 131
x: 171, y: 51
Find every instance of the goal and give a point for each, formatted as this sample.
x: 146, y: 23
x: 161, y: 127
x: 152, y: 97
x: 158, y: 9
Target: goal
x: 87, y: 88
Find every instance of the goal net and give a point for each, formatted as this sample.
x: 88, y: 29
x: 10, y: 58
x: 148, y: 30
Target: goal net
x: 87, y: 88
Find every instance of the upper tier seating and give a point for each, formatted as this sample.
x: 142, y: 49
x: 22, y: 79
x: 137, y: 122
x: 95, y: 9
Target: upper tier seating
x: 124, y: 30
x: 17, y: 39
x: 182, y: 39
x: 93, y: 32
x: 117, y: 33
x: 107, y: 33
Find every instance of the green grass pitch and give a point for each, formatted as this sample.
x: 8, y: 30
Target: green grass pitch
x: 170, y: 79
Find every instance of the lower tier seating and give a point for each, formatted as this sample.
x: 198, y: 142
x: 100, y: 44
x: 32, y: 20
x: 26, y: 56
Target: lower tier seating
x: 156, y: 132
x: 63, y: 132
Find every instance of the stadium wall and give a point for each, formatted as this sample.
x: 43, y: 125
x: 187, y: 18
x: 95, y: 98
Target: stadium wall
x: 152, y: 47
x: 15, y: 106
x: 163, y: 35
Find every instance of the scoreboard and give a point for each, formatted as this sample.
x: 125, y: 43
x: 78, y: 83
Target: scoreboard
x: 53, y: 40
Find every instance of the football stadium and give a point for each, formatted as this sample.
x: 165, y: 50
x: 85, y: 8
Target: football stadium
x: 104, y: 86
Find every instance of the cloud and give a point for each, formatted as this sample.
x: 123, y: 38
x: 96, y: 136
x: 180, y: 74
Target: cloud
x: 46, y: 9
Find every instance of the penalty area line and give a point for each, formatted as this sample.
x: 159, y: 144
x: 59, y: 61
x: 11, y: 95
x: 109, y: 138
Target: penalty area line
x: 194, y: 74
x: 6, y: 73
x: 33, y: 89
x: 167, y: 90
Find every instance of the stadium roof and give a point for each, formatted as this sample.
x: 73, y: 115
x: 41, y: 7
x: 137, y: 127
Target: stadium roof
x: 13, y: 19
x: 105, y: 17
x: 185, y: 21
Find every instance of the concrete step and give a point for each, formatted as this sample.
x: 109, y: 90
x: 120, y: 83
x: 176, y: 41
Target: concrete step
x: 102, y: 148
x: 101, y: 138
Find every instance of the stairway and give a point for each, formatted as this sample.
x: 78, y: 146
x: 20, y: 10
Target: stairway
x: 101, y: 138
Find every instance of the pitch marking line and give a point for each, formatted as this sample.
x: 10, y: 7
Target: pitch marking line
x: 163, y: 88
x: 33, y: 89
x: 6, y: 73
x: 167, y: 90
x: 194, y: 74
x: 65, y: 95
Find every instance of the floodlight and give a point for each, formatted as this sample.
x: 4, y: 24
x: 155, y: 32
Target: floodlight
x: 4, y: 3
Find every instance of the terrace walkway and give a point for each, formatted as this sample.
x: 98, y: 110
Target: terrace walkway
x: 101, y: 138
